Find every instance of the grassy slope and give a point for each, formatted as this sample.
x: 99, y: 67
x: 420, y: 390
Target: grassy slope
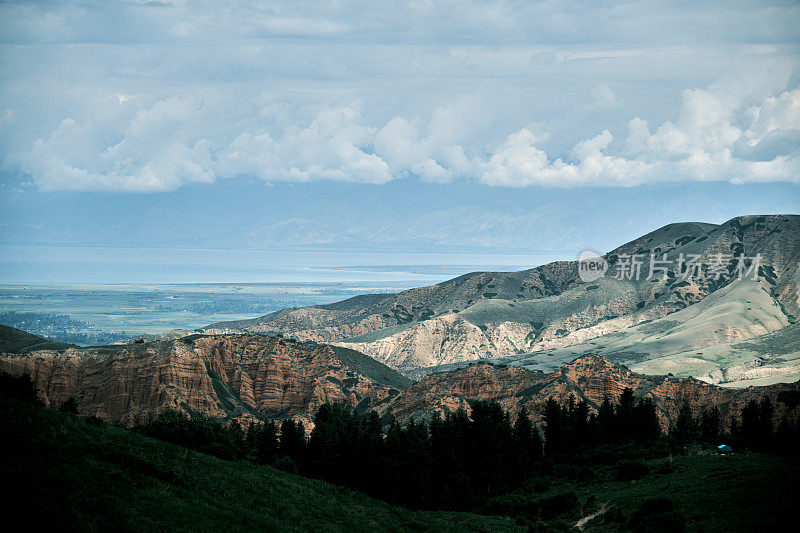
x: 752, y: 492
x: 68, y: 474
x: 13, y: 340
x: 375, y: 370
x: 63, y: 471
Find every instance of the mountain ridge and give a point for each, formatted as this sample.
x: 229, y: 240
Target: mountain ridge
x: 249, y: 377
x: 232, y: 376
x: 518, y: 315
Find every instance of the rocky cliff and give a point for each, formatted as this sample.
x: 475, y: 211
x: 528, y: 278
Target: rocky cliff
x: 231, y: 376
x: 255, y: 376
x: 589, y: 377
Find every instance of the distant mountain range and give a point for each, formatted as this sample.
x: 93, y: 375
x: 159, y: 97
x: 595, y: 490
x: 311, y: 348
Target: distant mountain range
x: 736, y: 331
x: 401, y: 216
x: 518, y: 338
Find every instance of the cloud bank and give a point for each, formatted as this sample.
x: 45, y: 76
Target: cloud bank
x: 148, y: 97
x: 716, y: 136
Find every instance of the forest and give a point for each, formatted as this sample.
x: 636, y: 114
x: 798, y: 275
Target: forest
x: 469, y: 462
x: 543, y: 476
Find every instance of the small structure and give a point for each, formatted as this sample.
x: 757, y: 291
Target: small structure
x: 724, y: 449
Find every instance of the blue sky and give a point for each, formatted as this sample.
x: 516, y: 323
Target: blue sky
x: 325, y: 124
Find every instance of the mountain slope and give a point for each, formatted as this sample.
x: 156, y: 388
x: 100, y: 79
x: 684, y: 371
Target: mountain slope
x: 739, y: 311
x: 548, y: 311
x: 13, y: 340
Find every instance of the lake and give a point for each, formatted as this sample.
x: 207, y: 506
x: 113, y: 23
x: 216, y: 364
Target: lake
x: 92, y: 295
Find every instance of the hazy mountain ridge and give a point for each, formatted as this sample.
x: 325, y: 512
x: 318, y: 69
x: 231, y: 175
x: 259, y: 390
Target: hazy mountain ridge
x: 523, y: 316
x: 401, y: 216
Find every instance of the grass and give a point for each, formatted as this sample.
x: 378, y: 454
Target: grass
x: 62, y: 472
x: 13, y: 340
x: 739, y: 492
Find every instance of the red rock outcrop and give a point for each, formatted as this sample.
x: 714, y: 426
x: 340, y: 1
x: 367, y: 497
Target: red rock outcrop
x: 589, y: 377
x: 249, y: 376
x: 232, y: 376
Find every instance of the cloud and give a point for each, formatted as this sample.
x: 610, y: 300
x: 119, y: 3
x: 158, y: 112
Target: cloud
x: 717, y: 136
x: 150, y: 96
x: 156, y: 151
x: 518, y: 163
x: 333, y: 147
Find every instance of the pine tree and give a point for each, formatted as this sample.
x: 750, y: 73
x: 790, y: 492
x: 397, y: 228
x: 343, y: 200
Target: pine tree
x: 528, y: 445
x: 579, y: 425
x: 265, y: 442
x: 553, y: 431
x: 624, y: 415
x: 685, y: 427
x: 710, y: 425
x: 765, y: 425
x: 607, y: 422
x: 749, y: 430
x: 645, y: 421
x: 292, y: 440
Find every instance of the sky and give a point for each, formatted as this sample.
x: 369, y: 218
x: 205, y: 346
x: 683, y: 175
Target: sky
x: 398, y: 126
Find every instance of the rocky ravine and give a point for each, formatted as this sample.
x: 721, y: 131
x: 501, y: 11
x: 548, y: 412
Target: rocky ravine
x: 489, y: 315
x: 231, y: 376
x: 254, y: 376
x: 589, y: 377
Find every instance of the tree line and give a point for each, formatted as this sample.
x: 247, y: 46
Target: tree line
x: 753, y: 430
x: 462, y: 461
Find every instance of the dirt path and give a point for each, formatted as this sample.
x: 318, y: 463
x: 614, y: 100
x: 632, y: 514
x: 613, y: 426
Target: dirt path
x: 583, y: 521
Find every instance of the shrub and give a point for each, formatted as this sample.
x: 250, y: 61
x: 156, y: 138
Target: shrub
x: 614, y: 514
x: 69, y: 406
x: 286, y: 464
x: 511, y: 505
x: 657, y: 515
x: 19, y: 387
x: 558, y: 504
x: 631, y: 470
x: 586, y: 475
x: 199, y: 432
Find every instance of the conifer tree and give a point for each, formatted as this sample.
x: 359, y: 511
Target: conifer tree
x: 710, y: 425
x: 265, y: 443
x: 292, y: 440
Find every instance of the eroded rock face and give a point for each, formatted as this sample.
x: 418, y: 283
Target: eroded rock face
x: 439, y: 341
x: 253, y: 376
x: 232, y: 376
x: 589, y: 377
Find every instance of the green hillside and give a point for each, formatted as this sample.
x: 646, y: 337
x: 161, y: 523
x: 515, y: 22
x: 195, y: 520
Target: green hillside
x: 67, y: 474
x: 13, y: 340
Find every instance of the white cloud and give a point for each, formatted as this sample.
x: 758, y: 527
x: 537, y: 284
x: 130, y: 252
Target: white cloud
x: 716, y: 137
x: 141, y: 96
x: 333, y: 146
x: 519, y: 163
x: 173, y: 142
x: 156, y: 151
